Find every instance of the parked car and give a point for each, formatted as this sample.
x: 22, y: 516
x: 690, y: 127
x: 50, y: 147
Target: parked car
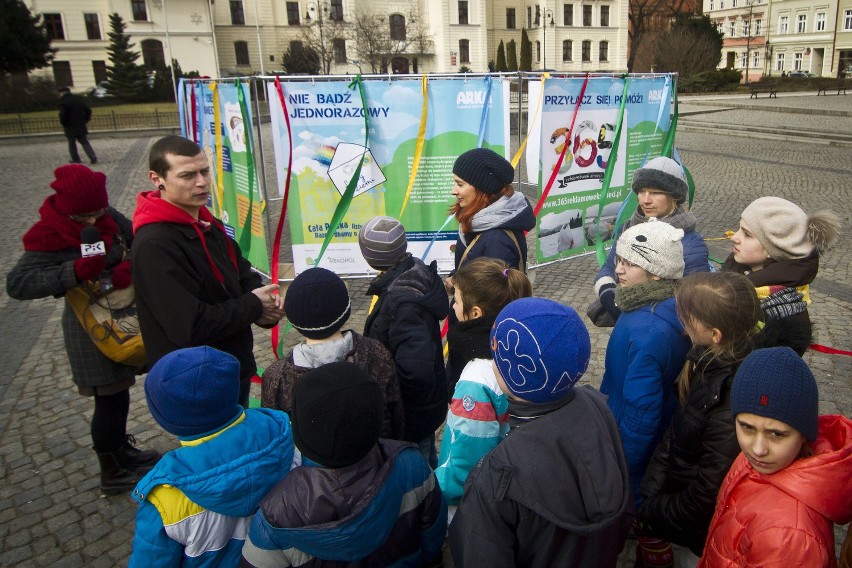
x: 99, y: 91
x: 801, y: 74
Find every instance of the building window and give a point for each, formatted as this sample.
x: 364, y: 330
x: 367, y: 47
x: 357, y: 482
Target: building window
x: 464, y: 50
x: 755, y: 59
x: 746, y: 28
x: 397, y: 27
x: 529, y: 16
x: 93, y: 26
x: 587, y: 50
x: 238, y: 16
x: 99, y: 70
x: 568, y: 14
x: 293, y: 16
x: 820, y: 22
x: 783, y: 23
x: 567, y: 50
x: 721, y: 4
x: 152, y: 54
x: 587, y: 15
x: 758, y: 24
x: 463, y: 12
x: 53, y: 24
x: 241, y: 53
x: 743, y: 58
x: 510, y: 18
x: 337, y: 10
x: 62, y: 74
x: 538, y: 51
x: 711, y: 5
x: 604, y: 16
x: 847, y: 20
x: 732, y: 26
x: 139, y: 10
x: 779, y: 61
x: 733, y: 3
x: 296, y: 46
x: 801, y: 23
x: 603, y: 51
x: 797, y: 61
x: 338, y: 48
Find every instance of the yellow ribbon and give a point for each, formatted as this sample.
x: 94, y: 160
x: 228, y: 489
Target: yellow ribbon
x: 220, y: 189
x: 418, y: 149
x: 519, y: 153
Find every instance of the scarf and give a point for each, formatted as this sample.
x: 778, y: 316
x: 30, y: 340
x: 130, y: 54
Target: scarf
x: 680, y: 218
x: 56, y: 231
x: 152, y: 208
x: 629, y: 298
x: 497, y: 214
x: 778, y: 302
x: 784, y: 273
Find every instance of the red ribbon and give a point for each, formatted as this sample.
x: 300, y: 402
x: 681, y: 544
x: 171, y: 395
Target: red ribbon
x: 194, y: 112
x: 555, y: 171
x: 276, y: 243
x: 830, y: 350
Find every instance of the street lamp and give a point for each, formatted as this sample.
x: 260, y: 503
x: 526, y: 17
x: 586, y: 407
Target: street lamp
x: 320, y: 8
x: 547, y: 15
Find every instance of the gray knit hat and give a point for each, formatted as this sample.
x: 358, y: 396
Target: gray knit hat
x: 485, y: 170
x: 786, y: 231
x: 382, y: 241
x: 655, y: 246
x: 663, y: 174
x: 776, y: 383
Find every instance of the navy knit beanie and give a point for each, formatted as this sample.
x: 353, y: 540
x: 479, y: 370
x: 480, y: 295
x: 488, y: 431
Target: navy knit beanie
x: 336, y: 414
x: 194, y: 391
x: 541, y: 349
x: 776, y: 383
x: 485, y: 170
x: 317, y: 303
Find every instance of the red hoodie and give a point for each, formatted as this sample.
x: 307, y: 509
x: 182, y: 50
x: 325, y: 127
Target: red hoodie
x: 785, y: 519
x: 151, y: 208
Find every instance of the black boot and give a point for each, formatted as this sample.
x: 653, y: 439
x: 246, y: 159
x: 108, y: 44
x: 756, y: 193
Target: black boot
x: 135, y: 459
x: 115, y: 478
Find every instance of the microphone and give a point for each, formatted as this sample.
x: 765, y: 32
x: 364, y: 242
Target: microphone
x: 91, y: 243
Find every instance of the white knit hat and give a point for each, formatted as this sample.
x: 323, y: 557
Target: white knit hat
x: 655, y: 246
x: 786, y: 231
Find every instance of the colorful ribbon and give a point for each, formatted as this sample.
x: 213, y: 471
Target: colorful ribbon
x: 830, y: 350
x: 418, y: 149
x: 517, y: 157
x: 245, y: 234
x: 217, y: 122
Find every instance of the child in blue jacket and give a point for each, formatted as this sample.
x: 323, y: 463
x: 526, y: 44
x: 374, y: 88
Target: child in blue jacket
x: 196, y: 505
x: 648, y: 345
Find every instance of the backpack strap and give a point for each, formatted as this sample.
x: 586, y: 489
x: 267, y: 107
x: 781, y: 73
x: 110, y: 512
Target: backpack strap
x: 514, y: 239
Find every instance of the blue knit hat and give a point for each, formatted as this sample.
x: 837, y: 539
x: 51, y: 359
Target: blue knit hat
x: 541, y: 349
x: 194, y: 391
x: 776, y: 383
x: 485, y: 170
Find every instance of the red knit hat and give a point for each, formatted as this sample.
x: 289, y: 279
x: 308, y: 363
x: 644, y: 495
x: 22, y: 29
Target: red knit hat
x: 79, y: 190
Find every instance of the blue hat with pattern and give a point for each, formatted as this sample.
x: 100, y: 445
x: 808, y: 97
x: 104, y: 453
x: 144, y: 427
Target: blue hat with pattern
x: 541, y: 349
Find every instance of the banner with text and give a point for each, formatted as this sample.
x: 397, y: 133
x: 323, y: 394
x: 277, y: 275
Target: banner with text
x: 327, y: 121
x: 568, y: 224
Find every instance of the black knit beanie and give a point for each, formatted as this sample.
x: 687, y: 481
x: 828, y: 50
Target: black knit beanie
x: 317, y: 303
x: 484, y: 169
x: 336, y: 414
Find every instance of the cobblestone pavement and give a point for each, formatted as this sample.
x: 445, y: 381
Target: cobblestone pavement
x: 51, y: 512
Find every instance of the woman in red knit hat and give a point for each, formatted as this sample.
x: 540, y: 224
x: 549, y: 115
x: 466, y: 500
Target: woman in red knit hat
x: 51, y: 265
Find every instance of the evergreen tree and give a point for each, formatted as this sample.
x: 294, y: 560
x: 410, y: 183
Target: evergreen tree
x: 301, y: 59
x: 512, y: 55
x: 526, y: 52
x: 26, y: 42
x: 126, y: 79
x: 501, y: 57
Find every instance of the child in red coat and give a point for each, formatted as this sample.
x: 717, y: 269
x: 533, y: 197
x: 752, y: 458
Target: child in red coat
x: 793, y: 479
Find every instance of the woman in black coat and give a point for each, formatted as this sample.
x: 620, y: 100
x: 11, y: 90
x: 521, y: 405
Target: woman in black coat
x: 51, y: 265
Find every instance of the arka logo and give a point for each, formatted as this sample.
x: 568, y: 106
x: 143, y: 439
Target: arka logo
x: 656, y: 95
x: 467, y: 98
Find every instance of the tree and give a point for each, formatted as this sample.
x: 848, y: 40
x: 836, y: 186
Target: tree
x: 318, y: 36
x: 501, y: 57
x: 26, y: 41
x: 526, y: 52
x: 645, y: 18
x: 512, y: 55
x: 378, y: 40
x: 301, y: 59
x: 126, y: 79
x: 693, y: 45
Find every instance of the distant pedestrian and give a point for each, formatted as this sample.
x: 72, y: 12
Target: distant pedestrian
x: 74, y: 115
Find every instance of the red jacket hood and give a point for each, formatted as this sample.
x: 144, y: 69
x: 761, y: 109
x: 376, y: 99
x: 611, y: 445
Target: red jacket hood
x: 151, y: 208
x: 823, y: 481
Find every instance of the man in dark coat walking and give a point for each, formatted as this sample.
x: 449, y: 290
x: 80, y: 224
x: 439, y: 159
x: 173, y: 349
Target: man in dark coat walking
x: 74, y: 113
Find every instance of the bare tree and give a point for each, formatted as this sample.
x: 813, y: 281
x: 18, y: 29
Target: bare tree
x: 319, y: 36
x: 692, y: 45
x: 379, y: 38
x: 647, y: 17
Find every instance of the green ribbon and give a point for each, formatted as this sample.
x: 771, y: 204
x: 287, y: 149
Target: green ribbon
x: 346, y: 199
x: 245, y: 235
x: 607, y: 177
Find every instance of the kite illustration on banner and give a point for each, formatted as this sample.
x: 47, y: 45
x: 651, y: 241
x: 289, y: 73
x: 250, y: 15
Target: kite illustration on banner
x: 345, y: 162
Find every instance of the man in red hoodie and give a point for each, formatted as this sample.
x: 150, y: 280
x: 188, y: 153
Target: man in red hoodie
x: 193, y: 285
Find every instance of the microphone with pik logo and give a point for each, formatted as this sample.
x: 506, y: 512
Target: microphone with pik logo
x: 92, y: 254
